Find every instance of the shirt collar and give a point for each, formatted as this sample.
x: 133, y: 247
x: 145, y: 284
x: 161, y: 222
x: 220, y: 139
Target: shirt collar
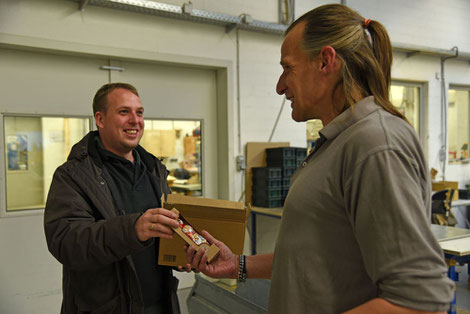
x: 106, y: 155
x: 348, y: 117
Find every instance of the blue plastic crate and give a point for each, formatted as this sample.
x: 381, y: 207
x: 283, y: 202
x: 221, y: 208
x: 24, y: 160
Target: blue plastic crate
x: 268, y: 203
x: 267, y: 183
x: 282, y: 162
x: 285, y: 183
x: 273, y: 193
x: 262, y: 173
x: 288, y: 172
x: 300, y: 152
x: 280, y: 152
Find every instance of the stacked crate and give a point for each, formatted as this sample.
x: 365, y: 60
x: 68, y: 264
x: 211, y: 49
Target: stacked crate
x: 288, y: 159
x: 300, y: 155
x: 270, y: 184
x: 285, y: 158
x: 267, y: 186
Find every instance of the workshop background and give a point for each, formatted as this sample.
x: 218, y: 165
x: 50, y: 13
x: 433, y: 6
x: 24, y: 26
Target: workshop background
x: 206, y: 71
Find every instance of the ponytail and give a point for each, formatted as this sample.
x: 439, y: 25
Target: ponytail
x: 361, y: 44
x: 382, y: 49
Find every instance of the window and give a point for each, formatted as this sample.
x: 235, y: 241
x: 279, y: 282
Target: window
x: 178, y: 144
x: 406, y: 97
x: 34, y: 148
x: 313, y: 127
x: 458, y: 127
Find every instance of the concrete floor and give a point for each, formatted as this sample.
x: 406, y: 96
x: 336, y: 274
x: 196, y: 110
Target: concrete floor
x: 182, y: 296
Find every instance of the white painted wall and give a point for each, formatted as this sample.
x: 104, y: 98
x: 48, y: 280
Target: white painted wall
x: 30, y: 278
x: 431, y: 23
x: 102, y: 32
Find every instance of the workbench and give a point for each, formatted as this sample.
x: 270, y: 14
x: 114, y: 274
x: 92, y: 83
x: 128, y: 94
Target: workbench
x: 262, y: 211
x: 460, y: 202
x: 188, y: 189
x: 461, y: 211
x: 207, y: 297
x: 455, y: 242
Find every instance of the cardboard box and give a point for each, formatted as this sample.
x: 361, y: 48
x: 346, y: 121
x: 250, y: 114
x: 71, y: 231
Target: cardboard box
x: 442, y: 185
x: 192, y: 237
x: 225, y: 220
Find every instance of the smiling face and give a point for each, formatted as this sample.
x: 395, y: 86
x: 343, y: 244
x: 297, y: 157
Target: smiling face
x: 121, y: 125
x: 304, y: 80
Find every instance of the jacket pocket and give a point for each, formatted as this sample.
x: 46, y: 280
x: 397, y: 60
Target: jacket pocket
x: 95, y: 289
x: 112, y: 307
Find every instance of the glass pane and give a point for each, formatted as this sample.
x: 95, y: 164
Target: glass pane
x: 313, y: 126
x: 458, y: 128
x: 407, y: 100
x: 34, y: 148
x: 178, y: 144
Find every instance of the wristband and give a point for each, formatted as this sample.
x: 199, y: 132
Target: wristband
x: 241, y: 268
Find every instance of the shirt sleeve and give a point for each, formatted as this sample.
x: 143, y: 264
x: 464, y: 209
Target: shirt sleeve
x: 386, y: 198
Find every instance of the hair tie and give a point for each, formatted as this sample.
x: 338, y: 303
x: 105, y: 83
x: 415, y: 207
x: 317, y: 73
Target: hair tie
x: 366, y: 31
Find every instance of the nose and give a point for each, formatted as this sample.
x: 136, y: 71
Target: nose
x: 281, y: 85
x: 133, y: 117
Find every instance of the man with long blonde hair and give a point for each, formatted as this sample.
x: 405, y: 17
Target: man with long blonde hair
x: 355, y: 233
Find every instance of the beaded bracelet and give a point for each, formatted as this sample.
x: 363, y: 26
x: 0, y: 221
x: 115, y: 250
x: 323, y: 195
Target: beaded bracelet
x: 241, y: 268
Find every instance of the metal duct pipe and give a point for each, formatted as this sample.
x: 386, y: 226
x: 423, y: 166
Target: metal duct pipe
x: 291, y: 11
x: 414, y: 49
x: 286, y: 11
x: 444, y: 122
x: 239, y: 122
x: 243, y: 21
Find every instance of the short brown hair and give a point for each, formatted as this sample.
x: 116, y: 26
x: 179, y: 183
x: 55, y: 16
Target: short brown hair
x: 100, y: 99
x: 366, y: 62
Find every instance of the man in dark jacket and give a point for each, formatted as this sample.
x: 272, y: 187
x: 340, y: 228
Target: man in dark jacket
x: 103, y: 215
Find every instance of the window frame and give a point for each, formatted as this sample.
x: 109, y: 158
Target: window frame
x: 422, y: 107
x: 459, y: 87
x: 3, y: 169
x: 202, y: 159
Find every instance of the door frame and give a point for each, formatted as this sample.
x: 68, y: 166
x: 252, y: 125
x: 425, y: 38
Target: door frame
x: 224, y: 91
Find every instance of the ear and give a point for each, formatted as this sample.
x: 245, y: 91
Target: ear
x: 99, y: 117
x: 328, y: 59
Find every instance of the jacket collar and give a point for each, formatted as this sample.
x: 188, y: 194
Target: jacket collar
x: 87, y: 147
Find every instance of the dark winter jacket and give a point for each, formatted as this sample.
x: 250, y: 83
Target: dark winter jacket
x: 93, y: 240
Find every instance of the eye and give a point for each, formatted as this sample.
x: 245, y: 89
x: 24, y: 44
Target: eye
x: 140, y: 113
